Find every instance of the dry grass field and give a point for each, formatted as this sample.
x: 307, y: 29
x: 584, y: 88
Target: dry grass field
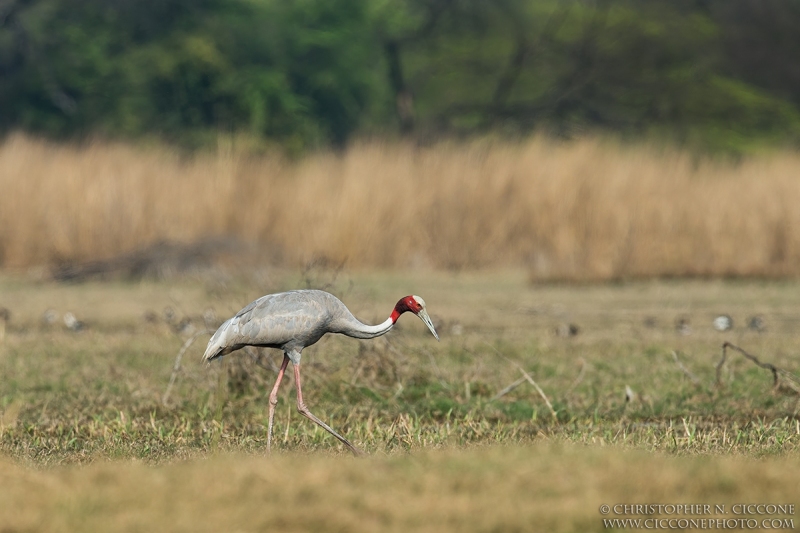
x: 87, y: 442
x: 542, y: 487
x: 587, y: 210
x: 634, y: 407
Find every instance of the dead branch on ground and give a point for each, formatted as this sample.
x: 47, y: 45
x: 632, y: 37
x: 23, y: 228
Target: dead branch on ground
x: 508, y: 389
x: 530, y: 380
x: 579, y: 377
x: 177, y: 366
x: 694, y: 379
x: 789, y: 383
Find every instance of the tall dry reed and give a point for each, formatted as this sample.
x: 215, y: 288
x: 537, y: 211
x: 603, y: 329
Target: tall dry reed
x: 587, y: 209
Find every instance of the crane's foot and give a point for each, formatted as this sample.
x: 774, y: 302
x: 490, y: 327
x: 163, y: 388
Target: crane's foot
x: 308, y: 414
x: 301, y: 406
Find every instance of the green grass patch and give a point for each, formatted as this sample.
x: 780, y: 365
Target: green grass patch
x: 80, y: 397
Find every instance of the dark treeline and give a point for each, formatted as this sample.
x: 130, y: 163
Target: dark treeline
x: 721, y: 74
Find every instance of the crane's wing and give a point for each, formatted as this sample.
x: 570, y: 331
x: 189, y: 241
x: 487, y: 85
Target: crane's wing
x: 293, y: 319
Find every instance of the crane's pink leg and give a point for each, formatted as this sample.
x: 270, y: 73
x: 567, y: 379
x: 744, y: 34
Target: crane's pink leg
x: 301, y: 406
x: 273, y: 399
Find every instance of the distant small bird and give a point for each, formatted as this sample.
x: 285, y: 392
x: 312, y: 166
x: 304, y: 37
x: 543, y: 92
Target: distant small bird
x: 567, y: 330
x: 723, y: 323
x: 184, y: 327
x: 72, y: 323
x: 290, y: 321
x: 629, y: 394
x: 682, y: 326
x: 756, y: 323
x: 50, y: 317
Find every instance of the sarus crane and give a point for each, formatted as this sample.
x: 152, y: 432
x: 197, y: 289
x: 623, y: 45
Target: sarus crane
x: 292, y: 320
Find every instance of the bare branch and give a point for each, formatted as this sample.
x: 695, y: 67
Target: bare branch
x: 579, y: 378
x: 753, y: 358
x: 529, y: 379
x: 176, y: 367
x: 685, y: 370
x: 790, y: 382
x: 538, y: 389
x: 508, y: 389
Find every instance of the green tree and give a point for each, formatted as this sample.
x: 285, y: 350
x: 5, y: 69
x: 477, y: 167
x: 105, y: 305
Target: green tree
x: 718, y: 74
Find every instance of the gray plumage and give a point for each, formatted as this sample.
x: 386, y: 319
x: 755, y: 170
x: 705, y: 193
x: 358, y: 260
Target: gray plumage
x: 289, y: 321
x: 292, y: 320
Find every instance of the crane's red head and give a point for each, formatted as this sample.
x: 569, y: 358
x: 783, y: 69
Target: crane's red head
x: 408, y: 303
x: 416, y: 305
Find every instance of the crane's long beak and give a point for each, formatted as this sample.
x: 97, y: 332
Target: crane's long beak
x: 423, y: 315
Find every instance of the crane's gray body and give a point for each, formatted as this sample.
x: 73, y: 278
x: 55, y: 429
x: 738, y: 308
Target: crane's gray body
x: 293, y: 320
x: 289, y: 321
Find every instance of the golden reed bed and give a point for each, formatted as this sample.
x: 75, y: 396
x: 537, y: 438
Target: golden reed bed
x: 588, y: 209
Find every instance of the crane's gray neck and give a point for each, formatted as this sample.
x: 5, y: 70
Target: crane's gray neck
x: 356, y: 329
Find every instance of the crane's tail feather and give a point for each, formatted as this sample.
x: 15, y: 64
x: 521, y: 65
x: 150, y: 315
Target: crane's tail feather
x: 216, y: 355
x: 217, y: 345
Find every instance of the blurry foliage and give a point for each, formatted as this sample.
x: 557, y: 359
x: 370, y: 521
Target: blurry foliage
x: 720, y: 74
